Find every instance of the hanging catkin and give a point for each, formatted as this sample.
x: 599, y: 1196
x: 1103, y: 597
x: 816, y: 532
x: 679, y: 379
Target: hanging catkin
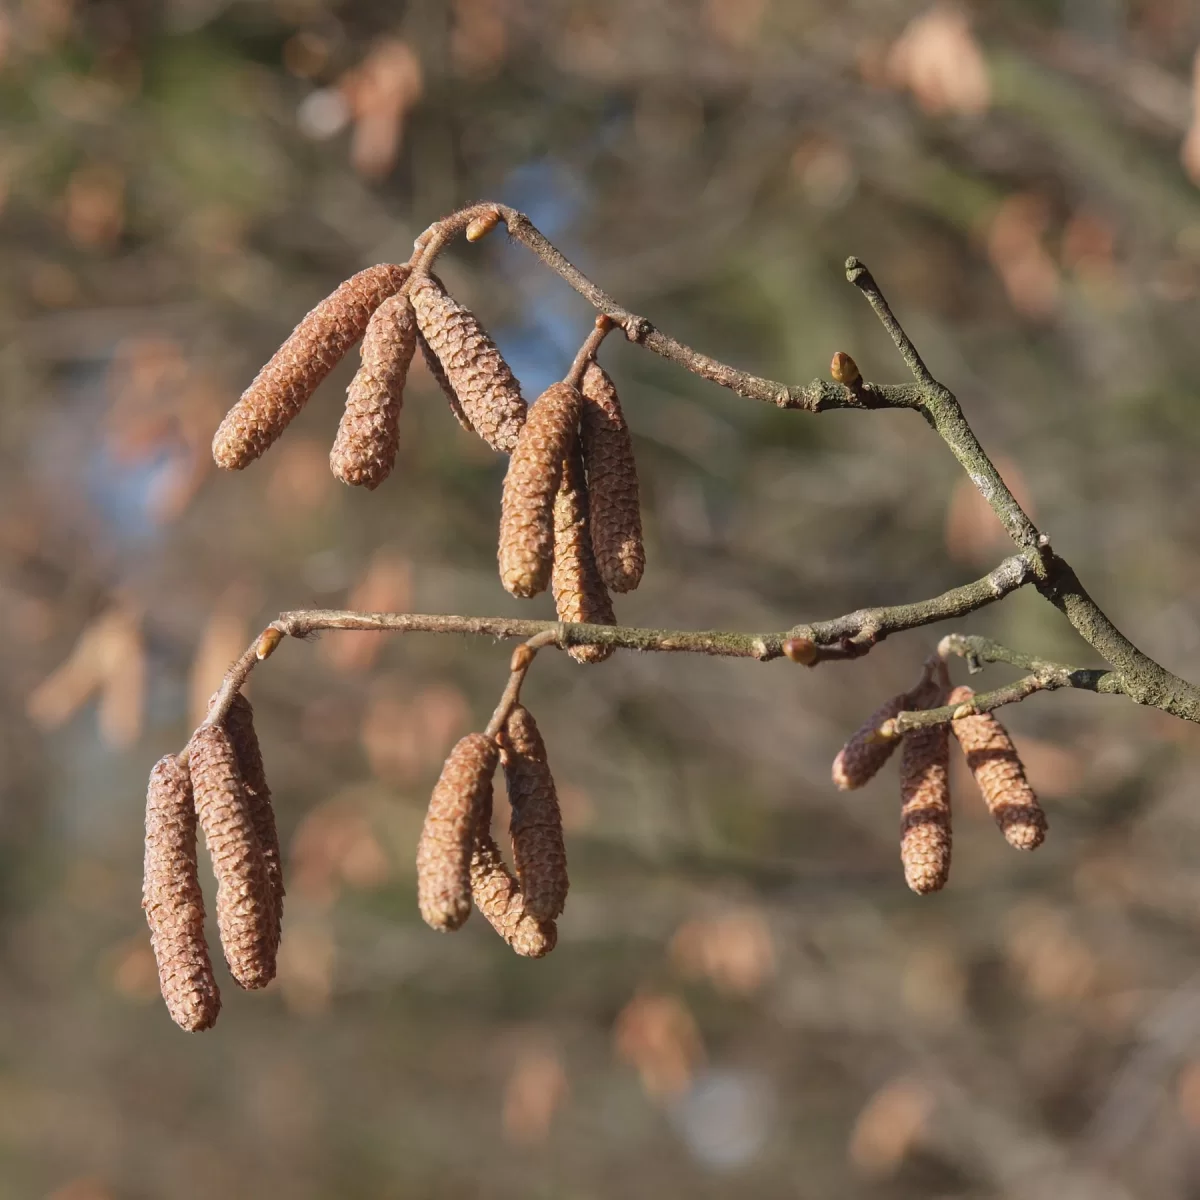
x: 530, y: 487
x: 240, y: 726
x: 472, y: 367
x: 1000, y: 774
x: 616, y: 515
x: 579, y: 593
x: 172, y: 900
x: 315, y: 347
x: 368, y: 436
x: 245, y: 908
x: 462, y: 794
x: 860, y: 759
x: 498, y: 896
x: 925, y: 833
x: 539, y: 854
x: 435, y: 369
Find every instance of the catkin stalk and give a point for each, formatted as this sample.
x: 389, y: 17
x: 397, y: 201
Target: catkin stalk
x: 462, y: 795
x: 315, y: 347
x: 1000, y: 775
x: 173, y: 902
x: 539, y: 852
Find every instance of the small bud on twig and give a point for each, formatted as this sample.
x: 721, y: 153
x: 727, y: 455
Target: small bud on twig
x: 172, y: 900
x: 844, y: 369
x: 267, y: 641
x: 1000, y: 774
x: 462, y: 795
x: 801, y: 650
x: 479, y: 227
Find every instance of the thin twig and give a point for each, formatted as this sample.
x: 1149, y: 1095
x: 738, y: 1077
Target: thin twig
x: 587, y: 352
x: 519, y: 664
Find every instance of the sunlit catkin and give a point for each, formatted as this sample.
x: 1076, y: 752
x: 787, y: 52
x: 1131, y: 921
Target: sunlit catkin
x: 925, y: 833
x: 240, y: 726
x: 499, y: 898
x: 473, y: 369
x: 616, y: 515
x: 315, y: 347
x: 172, y: 900
x: 860, y: 759
x: 579, y: 593
x: 539, y: 853
x: 368, y: 436
x: 1000, y: 774
x: 462, y: 795
x: 245, y: 908
x: 531, y: 486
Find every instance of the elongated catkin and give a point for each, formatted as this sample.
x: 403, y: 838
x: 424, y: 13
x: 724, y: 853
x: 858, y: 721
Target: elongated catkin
x: 861, y: 758
x: 240, y: 726
x: 1000, y: 774
x: 579, y: 593
x: 925, y: 833
x: 539, y: 852
x: 315, y: 347
x: 531, y: 484
x: 462, y: 795
x: 472, y: 368
x: 616, y: 515
x: 173, y: 902
x: 245, y: 906
x: 368, y: 436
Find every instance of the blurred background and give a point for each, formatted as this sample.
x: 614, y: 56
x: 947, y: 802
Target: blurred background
x: 745, y: 998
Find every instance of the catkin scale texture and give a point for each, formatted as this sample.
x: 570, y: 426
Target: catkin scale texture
x: 368, y: 436
x: 539, y: 852
x: 470, y: 365
x: 315, y: 347
x: 173, y: 902
x: 245, y: 907
x: 860, y: 759
x: 925, y: 833
x: 240, y: 726
x: 616, y: 515
x: 579, y: 593
x: 1000, y: 775
x: 462, y: 795
x: 531, y: 484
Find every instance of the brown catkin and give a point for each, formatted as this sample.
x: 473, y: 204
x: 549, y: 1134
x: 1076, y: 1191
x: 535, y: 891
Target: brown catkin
x: 498, y: 896
x: 172, y: 900
x: 462, y: 795
x: 281, y: 389
x: 435, y: 369
x: 860, y: 759
x: 240, y: 726
x: 1000, y: 774
x: 245, y: 909
x: 616, y: 515
x: 530, y: 488
x: 368, y: 436
x: 471, y: 366
x: 539, y: 853
x: 925, y: 833
x: 579, y: 593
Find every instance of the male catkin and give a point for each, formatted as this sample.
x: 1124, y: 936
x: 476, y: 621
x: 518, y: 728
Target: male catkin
x: 860, y: 759
x: 925, y: 833
x: 368, y: 436
x: 462, y: 795
x: 281, y: 389
x: 616, y: 515
x: 526, y: 552
x: 245, y: 907
x: 1000, y: 774
x: 172, y: 900
x: 539, y: 853
x: 579, y: 593
x: 472, y: 368
x: 240, y: 726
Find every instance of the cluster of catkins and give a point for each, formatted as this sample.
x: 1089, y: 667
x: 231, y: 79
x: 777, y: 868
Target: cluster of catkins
x: 925, y: 833
x: 458, y: 860
x: 570, y: 518
x: 218, y: 781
